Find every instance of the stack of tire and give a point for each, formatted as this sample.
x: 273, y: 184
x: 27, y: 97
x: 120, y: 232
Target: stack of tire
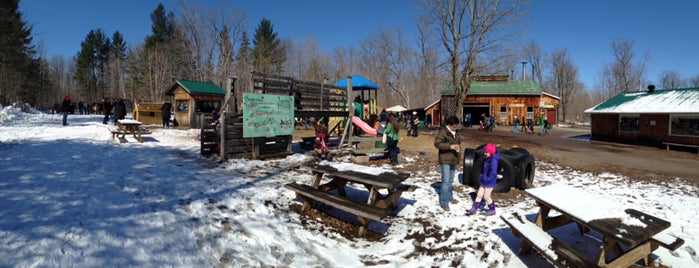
x: 515, y: 168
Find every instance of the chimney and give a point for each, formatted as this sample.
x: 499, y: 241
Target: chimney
x: 651, y: 88
x: 524, y: 70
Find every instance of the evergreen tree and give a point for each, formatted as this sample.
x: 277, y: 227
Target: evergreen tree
x: 16, y: 52
x: 90, y: 62
x: 267, y: 53
x: 117, y: 59
x: 163, y: 27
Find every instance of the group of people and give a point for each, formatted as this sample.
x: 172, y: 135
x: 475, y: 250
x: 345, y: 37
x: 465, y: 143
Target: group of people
x: 109, y: 108
x: 543, y: 124
x: 448, y: 143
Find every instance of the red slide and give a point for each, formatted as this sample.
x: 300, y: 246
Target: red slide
x: 363, y: 125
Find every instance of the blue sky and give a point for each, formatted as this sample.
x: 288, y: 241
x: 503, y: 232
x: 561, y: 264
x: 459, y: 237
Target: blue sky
x: 667, y: 31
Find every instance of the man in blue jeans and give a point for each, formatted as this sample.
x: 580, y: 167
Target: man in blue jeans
x: 65, y: 106
x: 448, y: 143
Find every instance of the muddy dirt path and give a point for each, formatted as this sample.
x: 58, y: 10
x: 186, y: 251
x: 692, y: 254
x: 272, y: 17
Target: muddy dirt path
x: 561, y: 148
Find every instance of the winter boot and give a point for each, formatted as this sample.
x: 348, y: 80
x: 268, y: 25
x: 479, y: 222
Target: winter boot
x: 473, y: 209
x: 491, y: 209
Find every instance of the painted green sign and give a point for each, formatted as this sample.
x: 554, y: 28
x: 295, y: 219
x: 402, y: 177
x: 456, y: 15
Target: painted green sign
x: 266, y: 115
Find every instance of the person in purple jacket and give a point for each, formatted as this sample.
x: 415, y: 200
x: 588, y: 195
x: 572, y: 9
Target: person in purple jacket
x: 489, y: 176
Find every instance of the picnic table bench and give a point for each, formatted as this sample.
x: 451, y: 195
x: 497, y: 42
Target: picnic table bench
x: 639, y: 232
x: 373, y: 208
x: 128, y: 126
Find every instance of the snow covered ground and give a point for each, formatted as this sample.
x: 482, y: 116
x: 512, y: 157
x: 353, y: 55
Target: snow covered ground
x: 72, y: 196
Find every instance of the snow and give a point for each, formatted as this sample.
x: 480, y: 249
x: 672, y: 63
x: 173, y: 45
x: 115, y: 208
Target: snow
x: 72, y: 196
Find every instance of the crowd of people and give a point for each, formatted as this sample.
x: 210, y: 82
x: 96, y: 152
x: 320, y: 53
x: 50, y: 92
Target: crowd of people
x: 113, y: 109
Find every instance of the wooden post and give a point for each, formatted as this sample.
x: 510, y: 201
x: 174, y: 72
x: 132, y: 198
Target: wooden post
x: 222, y: 133
x: 349, y: 111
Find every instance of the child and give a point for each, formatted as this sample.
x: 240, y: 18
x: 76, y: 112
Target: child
x: 489, y: 176
x: 320, y: 145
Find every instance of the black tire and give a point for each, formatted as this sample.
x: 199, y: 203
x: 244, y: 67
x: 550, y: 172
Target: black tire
x: 527, y: 170
x: 509, y: 155
x: 520, y: 150
x: 469, y: 159
x: 506, y: 175
x: 505, y: 179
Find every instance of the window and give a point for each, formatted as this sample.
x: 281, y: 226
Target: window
x: 629, y: 122
x: 182, y: 105
x: 207, y: 106
x: 530, y: 112
x: 503, y: 113
x: 687, y: 125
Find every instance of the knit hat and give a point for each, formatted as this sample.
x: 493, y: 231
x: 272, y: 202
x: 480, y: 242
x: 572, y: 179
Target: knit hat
x: 489, y: 148
x: 65, y: 97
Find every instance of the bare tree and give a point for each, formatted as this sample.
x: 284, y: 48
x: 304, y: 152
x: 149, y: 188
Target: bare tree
x: 427, y: 61
x: 564, y: 77
x: 672, y: 79
x: 467, y: 29
x: 626, y: 73
x: 534, y: 54
x: 694, y: 81
x: 575, y: 111
x: 346, y: 60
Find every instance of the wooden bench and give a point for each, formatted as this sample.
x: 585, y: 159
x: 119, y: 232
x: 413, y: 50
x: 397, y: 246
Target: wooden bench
x: 667, y: 241
x: 361, y: 151
x: 668, y: 144
x: 384, y: 190
x: 555, y: 251
x: 362, y: 210
x: 116, y: 132
x: 352, y: 139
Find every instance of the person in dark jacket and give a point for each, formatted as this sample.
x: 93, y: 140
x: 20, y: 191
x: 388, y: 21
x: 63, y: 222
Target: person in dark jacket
x: 65, y: 106
x: 166, y: 113
x: 448, y: 143
x: 119, y: 110
x: 106, y: 109
x: 488, y: 179
x: 392, y: 138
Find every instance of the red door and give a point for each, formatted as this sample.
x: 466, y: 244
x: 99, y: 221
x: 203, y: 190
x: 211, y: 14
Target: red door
x: 551, y: 116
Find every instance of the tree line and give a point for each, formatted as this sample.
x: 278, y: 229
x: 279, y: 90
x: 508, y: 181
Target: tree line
x: 455, y: 41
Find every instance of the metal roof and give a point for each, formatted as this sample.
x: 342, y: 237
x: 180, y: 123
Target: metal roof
x: 516, y: 87
x: 666, y: 101
x: 197, y: 87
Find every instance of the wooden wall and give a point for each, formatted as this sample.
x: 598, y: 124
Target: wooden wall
x: 516, y: 106
x: 654, y: 129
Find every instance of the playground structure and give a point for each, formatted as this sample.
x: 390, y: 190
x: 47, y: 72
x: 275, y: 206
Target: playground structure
x: 321, y: 101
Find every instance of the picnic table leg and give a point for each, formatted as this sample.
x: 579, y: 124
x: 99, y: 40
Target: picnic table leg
x: 542, y: 215
x: 316, y: 182
x: 363, y: 224
x: 640, y: 252
x: 610, y: 248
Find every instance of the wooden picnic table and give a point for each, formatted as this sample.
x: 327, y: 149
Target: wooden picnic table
x: 129, y: 126
x: 636, y: 231
x: 373, y: 208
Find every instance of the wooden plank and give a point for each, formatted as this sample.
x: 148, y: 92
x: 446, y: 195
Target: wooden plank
x: 343, y: 203
x: 384, y: 180
x: 360, y: 151
x: 667, y: 241
x: 555, y: 251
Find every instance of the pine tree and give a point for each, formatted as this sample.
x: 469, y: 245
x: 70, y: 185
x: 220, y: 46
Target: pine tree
x: 267, y: 53
x: 117, y: 59
x: 16, y: 52
x: 90, y: 62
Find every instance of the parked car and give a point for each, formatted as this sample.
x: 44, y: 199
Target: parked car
x: 516, y: 168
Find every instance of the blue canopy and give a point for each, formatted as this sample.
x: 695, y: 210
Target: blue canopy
x: 358, y: 82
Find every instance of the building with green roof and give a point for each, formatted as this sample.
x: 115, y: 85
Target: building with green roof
x: 193, y: 98
x: 503, y: 98
x: 653, y: 117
